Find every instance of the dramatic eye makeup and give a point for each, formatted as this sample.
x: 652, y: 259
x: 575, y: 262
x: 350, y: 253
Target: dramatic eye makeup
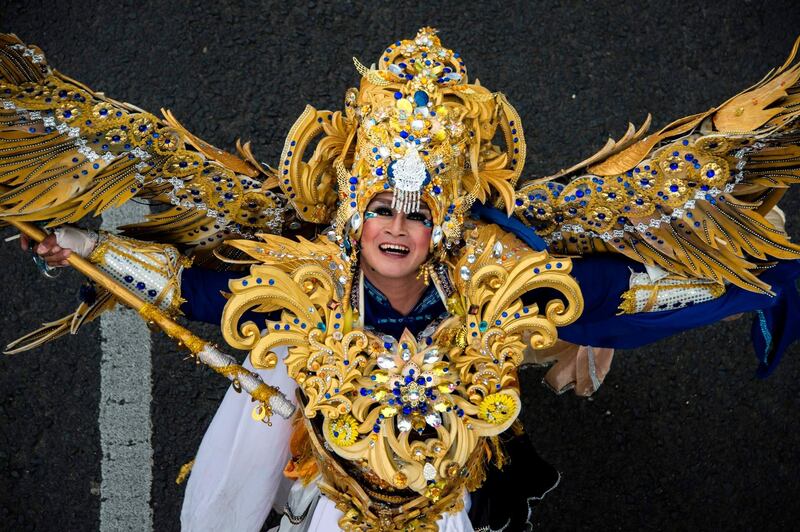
x: 383, y: 208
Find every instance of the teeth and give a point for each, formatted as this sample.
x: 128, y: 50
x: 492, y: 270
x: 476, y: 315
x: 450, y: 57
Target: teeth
x: 393, y: 248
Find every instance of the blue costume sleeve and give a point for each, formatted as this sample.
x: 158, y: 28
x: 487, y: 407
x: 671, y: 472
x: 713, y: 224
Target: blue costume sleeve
x: 202, y: 289
x: 772, y: 331
x: 604, y: 277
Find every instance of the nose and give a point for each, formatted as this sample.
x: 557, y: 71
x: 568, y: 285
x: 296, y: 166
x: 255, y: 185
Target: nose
x: 397, y: 226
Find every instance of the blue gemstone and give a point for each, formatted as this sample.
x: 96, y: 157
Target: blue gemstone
x: 421, y: 98
x: 128, y: 279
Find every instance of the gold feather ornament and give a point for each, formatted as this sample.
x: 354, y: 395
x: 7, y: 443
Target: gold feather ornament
x: 691, y: 199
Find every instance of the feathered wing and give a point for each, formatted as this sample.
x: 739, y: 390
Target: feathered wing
x: 67, y: 152
x: 691, y: 198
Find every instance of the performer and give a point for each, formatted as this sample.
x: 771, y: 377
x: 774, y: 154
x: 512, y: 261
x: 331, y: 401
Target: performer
x: 398, y: 421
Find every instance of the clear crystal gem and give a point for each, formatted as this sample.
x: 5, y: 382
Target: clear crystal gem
x: 497, y: 250
x: 437, y: 234
x: 465, y: 273
x: 355, y: 221
x: 403, y: 423
x: 406, y: 354
x: 386, y: 362
x: 434, y: 420
x: 431, y: 356
x: 429, y: 472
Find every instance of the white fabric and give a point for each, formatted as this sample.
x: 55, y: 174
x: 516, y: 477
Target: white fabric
x: 80, y: 241
x: 238, y: 472
x: 302, y: 501
x: 238, y: 469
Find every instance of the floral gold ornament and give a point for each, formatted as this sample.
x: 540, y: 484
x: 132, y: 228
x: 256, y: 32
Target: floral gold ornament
x: 410, y: 408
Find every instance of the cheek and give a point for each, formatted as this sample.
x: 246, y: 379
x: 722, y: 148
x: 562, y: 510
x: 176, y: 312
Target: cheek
x: 368, y: 235
x: 368, y: 232
x: 422, y: 240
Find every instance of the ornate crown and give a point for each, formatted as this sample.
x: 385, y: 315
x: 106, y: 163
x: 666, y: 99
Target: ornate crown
x: 415, y: 127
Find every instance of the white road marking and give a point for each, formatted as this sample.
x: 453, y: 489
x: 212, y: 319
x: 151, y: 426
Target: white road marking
x: 124, y: 420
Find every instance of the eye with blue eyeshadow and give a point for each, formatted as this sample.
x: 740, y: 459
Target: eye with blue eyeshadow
x: 387, y: 212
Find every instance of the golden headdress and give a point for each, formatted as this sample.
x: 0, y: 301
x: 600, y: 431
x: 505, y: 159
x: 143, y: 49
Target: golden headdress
x: 415, y: 127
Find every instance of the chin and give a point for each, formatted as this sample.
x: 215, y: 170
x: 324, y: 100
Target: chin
x: 394, y: 271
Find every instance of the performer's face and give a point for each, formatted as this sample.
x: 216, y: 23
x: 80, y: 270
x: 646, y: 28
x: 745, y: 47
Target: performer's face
x: 394, y: 244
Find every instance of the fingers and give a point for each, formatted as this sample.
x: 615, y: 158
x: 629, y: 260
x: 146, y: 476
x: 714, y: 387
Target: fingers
x: 52, y: 253
x: 57, y: 256
x: 47, y: 245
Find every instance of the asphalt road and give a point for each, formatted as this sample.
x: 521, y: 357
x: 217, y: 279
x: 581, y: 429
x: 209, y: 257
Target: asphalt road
x: 681, y: 436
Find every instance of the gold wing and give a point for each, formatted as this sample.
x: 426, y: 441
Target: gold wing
x: 691, y: 198
x: 67, y: 152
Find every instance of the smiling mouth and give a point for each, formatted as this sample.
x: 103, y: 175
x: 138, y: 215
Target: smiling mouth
x: 396, y: 250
